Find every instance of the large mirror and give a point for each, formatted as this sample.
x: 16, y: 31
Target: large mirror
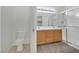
x: 49, y: 16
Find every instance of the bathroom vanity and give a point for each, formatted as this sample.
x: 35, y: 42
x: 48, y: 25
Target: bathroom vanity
x: 48, y: 28
x: 48, y: 35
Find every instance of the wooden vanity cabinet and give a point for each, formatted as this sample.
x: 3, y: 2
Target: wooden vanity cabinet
x: 57, y: 35
x: 48, y: 36
x: 40, y: 37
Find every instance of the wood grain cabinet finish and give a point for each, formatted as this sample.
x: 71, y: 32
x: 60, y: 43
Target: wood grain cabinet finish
x: 57, y: 35
x: 48, y: 36
x: 40, y: 37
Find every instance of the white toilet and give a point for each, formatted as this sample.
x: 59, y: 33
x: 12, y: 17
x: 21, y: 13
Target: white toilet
x: 20, y: 36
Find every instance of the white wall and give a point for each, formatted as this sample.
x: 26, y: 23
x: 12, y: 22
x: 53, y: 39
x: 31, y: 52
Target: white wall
x: 0, y: 28
x: 15, y: 19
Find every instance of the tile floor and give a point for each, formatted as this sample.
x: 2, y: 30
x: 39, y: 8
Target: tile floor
x: 26, y: 49
x: 47, y: 48
x: 56, y: 48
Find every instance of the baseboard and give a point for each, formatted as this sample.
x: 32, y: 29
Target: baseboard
x: 71, y: 44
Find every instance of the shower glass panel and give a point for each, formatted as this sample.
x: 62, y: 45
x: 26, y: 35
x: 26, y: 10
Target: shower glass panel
x: 72, y: 27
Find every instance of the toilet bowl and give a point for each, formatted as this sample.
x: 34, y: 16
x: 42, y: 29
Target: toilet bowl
x: 20, y: 36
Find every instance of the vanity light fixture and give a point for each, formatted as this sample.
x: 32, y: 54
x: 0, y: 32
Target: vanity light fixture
x: 46, y: 12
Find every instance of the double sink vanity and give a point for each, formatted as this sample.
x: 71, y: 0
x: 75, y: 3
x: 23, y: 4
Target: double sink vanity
x: 48, y: 34
x: 49, y: 26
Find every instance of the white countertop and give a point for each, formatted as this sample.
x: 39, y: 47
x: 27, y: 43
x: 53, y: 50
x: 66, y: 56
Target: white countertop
x: 47, y: 28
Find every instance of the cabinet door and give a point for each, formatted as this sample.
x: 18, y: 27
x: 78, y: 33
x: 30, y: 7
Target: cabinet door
x: 57, y: 35
x: 40, y: 37
x: 49, y: 36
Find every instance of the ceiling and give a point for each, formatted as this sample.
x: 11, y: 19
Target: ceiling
x: 57, y: 8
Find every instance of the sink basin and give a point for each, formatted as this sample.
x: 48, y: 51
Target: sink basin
x: 47, y: 27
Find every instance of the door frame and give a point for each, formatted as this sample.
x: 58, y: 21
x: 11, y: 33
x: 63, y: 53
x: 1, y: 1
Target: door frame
x: 33, y: 31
